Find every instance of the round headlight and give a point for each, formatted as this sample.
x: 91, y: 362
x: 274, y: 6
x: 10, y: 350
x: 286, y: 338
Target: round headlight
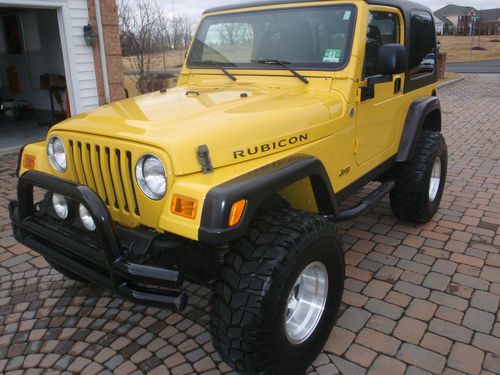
x: 60, y: 205
x: 151, y: 176
x: 86, y: 218
x: 57, y: 154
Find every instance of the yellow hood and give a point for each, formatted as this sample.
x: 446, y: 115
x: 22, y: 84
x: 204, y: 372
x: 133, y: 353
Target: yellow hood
x: 237, y: 122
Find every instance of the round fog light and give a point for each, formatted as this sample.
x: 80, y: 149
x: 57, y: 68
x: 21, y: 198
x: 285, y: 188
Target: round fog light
x: 60, y: 206
x: 86, y: 219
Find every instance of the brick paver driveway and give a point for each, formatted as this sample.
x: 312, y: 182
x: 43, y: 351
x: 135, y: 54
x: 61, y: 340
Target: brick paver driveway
x: 417, y: 299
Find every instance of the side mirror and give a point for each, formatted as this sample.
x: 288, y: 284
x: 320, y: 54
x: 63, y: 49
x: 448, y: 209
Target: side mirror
x: 391, y: 59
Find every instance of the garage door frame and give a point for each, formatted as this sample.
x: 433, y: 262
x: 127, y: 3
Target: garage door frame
x: 65, y: 32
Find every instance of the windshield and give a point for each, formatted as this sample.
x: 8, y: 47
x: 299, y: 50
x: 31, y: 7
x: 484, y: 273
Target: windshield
x: 311, y: 38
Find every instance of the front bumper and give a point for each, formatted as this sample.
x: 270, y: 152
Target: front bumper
x: 101, y: 261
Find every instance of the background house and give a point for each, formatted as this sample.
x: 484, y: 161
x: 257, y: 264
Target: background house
x: 439, y: 26
x: 47, y: 66
x: 464, y: 20
x: 444, y: 26
x: 459, y: 16
x: 490, y: 22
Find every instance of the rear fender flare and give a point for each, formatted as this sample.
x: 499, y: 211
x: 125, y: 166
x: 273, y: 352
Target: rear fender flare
x: 423, y: 114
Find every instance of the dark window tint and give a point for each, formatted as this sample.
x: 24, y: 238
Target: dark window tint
x: 383, y: 28
x: 422, y: 44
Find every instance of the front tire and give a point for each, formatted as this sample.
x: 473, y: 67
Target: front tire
x: 420, y: 182
x: 262, y: 319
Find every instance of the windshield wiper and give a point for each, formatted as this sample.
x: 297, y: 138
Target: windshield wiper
x: 219, y: 66
x: 284, y: 64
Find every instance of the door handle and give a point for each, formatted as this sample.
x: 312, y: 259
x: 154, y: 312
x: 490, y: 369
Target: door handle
x: 397, y: 85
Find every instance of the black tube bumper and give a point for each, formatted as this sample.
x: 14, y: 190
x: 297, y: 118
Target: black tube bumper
x: 104, y: 264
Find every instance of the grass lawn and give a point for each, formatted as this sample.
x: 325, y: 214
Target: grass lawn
x: 171, y: 60
x: 130, y: 85
x: 159, y: 63
x: 458, y: 48
x: 449, y: 76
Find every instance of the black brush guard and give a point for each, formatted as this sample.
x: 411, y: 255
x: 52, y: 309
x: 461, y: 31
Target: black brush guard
x: 105, y: 266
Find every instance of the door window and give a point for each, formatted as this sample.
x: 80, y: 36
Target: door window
x: 422, y: 44
x: 383, y: 28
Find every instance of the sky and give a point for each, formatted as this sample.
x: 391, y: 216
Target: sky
x: 194, y: 8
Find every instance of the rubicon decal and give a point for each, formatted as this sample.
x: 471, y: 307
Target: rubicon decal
x: 267, y: 147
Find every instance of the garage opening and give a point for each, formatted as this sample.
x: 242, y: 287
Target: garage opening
x: 32, y: 75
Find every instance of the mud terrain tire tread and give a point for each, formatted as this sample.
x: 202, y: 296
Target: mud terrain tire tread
x: 410, y: 197
x: 251, y: 284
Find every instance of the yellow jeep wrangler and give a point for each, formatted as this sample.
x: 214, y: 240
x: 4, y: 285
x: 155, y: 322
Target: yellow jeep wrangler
x: 235, y: 178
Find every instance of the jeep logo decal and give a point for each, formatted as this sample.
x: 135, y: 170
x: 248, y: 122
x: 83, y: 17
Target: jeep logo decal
x: 266, y: 147
x: 344, y: 171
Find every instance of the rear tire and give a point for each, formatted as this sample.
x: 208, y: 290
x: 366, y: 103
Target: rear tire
x: 263, y: 295
x: 420, y: 182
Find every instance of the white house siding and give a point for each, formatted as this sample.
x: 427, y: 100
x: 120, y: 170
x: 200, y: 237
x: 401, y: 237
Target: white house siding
x: 84, y: 69
x: 439, y: 27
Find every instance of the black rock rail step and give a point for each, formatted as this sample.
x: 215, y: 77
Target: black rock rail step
x: 366, y: 203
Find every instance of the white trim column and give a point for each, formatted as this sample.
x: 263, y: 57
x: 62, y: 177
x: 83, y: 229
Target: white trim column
x: 72, y: 84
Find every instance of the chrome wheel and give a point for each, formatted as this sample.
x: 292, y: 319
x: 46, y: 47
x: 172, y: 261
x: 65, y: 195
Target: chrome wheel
x: 306, y: 303
x: 435, y: 180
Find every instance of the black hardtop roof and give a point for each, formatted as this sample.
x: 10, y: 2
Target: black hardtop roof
x: 403, y: 5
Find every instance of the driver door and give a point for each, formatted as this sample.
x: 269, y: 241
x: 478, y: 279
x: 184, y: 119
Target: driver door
x: 380, y: 110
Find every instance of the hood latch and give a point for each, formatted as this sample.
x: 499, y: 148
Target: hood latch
x: 203, y: 155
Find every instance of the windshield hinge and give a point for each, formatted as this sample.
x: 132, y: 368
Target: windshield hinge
x: 356, y: 145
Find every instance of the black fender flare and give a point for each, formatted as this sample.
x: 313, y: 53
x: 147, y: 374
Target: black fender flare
x: 257, y: 186
x: 414, y: 124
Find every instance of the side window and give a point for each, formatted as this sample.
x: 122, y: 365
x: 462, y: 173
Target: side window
x: 422, y: 44
x: 383, y: 28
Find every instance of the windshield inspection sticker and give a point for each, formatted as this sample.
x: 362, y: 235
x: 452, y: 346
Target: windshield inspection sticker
x: 332, y: 55
x: 347, y: 15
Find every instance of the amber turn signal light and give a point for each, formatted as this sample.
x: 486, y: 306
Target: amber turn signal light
x: 184, y: 207
x: 29, y: 162
x: 237, y: 212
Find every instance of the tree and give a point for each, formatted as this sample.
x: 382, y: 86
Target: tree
x: 138, y: 27
x: 147, y: 34
x: 164, y: 38
x: 235, y: 33
x: 180, y: 28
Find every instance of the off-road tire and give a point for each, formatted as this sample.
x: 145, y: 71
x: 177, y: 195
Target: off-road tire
x: 251, y: 293
x: 66, y: 272
x: 410, y: 200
